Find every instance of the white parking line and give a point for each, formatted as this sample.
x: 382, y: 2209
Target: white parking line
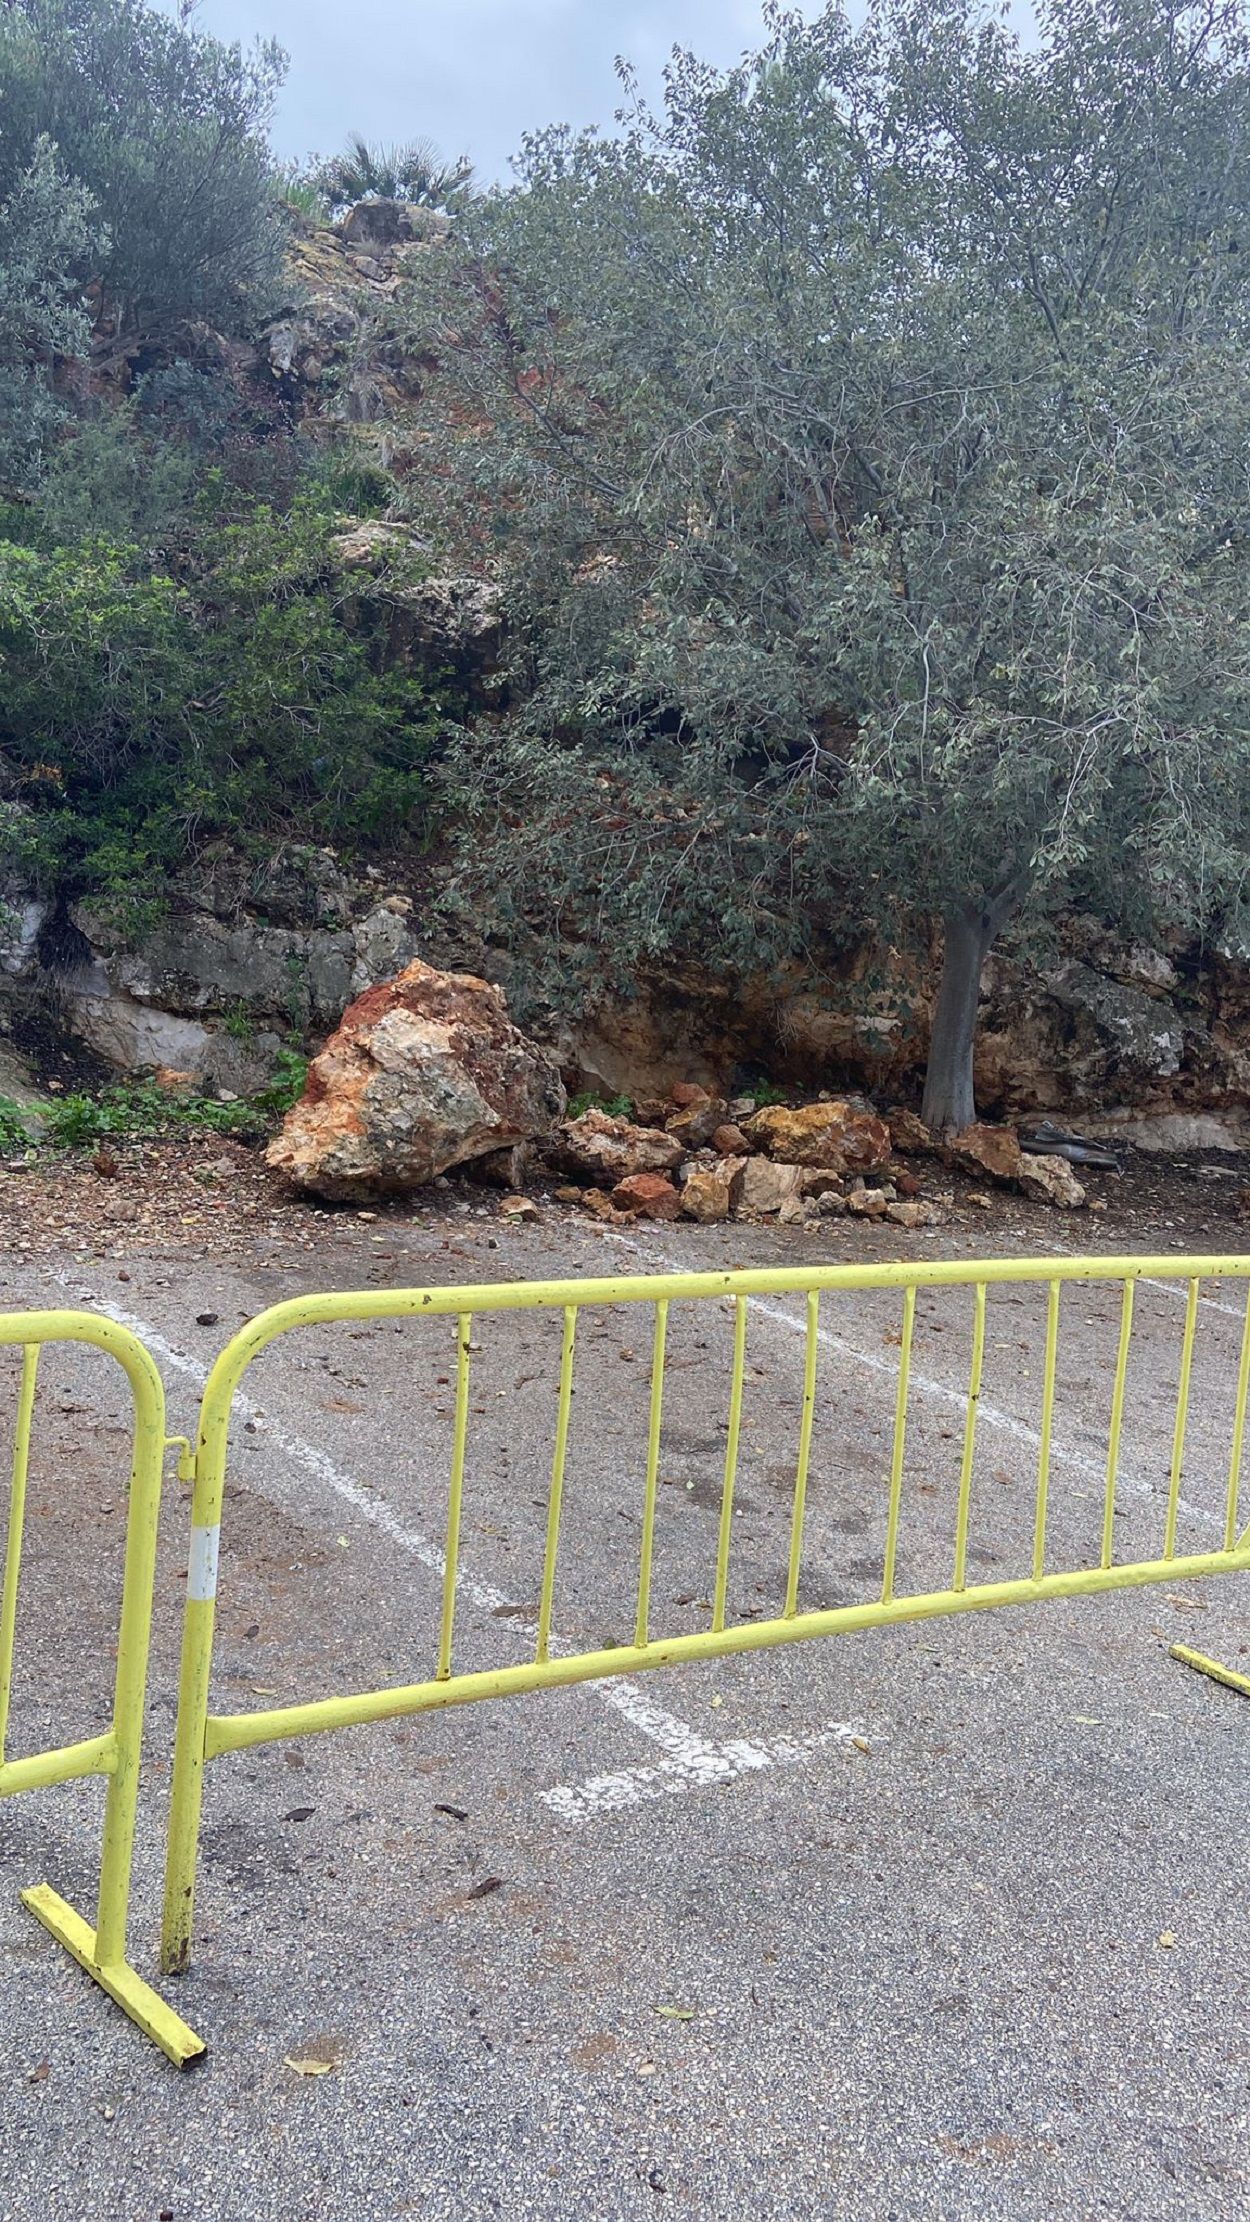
x: 714, y: 1765
x: 989, y: 1415
x: 691, y: 1761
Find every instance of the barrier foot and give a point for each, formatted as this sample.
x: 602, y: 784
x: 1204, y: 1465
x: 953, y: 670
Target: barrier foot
x: 1211, y: 1667
x: 135, y: 1997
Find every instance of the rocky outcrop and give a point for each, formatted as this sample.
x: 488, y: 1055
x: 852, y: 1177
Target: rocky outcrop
x: 425, y: 1072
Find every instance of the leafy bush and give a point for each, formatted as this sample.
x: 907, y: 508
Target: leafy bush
x: 148, y: 711
x: 166, y: 128
x: 137, y: 1110
x: 286, y: 1087
x: 14, y: 1132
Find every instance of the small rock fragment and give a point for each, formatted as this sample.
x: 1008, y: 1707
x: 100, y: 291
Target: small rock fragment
x: 647, y: 1196
x: 910, y: 1213
x: 767, y: 1185
x: 1050, y: 1180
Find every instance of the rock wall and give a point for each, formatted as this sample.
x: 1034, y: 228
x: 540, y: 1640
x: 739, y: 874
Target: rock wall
x: 1118, y: 1035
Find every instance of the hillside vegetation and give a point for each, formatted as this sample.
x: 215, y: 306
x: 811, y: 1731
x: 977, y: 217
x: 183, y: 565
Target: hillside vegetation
x: 854, y: 454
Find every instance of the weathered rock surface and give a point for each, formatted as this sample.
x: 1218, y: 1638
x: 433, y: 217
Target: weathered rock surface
x: 987, y: 1149
x: 909, y: 1134
x: 604, y: 1148
x: 425, y: 1072
x: 730, y: 1141
x: 697, y: 1124
x: 767, y: 1185
x: 711, y: 1192
x: 1050, y: 1180
x: 647, y: 1196
x: 826, y: 1134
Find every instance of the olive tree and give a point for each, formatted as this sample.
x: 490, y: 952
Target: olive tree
x: 864, y: 443
x: 166, y: 128
x: 45, y: 225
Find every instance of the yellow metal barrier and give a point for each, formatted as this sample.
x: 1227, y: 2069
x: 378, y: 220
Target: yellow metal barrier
x: 202, y: 1736
x: 115, y: 1754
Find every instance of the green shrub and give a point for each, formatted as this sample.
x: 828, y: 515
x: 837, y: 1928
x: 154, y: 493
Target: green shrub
x: 616, y: 1107
x: 14, y: 1132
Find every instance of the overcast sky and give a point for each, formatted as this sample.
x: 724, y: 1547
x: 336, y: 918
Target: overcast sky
x: 469, y: 74
x: 472, y: 75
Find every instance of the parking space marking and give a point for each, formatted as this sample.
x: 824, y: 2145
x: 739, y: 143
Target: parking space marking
x: 713, y: 1766
x: 989, y: 1415
x: 685, y: 1749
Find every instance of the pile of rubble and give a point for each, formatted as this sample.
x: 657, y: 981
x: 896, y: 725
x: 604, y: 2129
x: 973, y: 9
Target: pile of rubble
x: 427, y: 1072
x: 698, y: 1156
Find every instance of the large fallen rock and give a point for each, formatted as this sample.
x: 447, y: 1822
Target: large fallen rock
x: 426, y: 1072
x: 829, y: 1134
x: 608, y: 1149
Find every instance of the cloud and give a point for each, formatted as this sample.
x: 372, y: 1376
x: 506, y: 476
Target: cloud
x: 473, y: 75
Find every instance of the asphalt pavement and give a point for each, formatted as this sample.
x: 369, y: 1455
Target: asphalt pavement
x: 937, y: 1922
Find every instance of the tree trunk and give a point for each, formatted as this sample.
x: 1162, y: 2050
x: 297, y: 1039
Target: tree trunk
x: 949, y: 1103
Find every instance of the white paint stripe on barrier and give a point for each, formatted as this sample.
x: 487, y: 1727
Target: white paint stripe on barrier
x: 202, y: 1564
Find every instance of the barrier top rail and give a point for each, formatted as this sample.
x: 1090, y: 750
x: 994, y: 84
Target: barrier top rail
x: 650, y: 1288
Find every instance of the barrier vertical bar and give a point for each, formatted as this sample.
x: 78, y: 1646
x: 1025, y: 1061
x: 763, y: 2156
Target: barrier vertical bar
x: 731, y: 1463
x: 654, y: 1422
x: 464, y: 1330
x: 101, y: 1950
x: 970, y: 1437
x: 1117, y: 1420
x: 898, y: 1453
x: 1048, y: 1414
x: 805, y: 1452
x: 1182, y: 1414
x: 13, y: 1536
x: 1239, y: 1434
x: 556, y: 1492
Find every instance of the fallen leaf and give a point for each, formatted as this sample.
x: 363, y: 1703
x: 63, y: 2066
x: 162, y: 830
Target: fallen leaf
x: 1184, y: 1604
x: 676, y: 2013
x: 308, y: 2067
x: 1167, y: 1939
x: 485, y: 1887
x: 861, y: 1743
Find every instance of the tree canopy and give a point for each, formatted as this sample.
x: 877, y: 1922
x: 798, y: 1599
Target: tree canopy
x: 864, y: 439
x: 166, y: 130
